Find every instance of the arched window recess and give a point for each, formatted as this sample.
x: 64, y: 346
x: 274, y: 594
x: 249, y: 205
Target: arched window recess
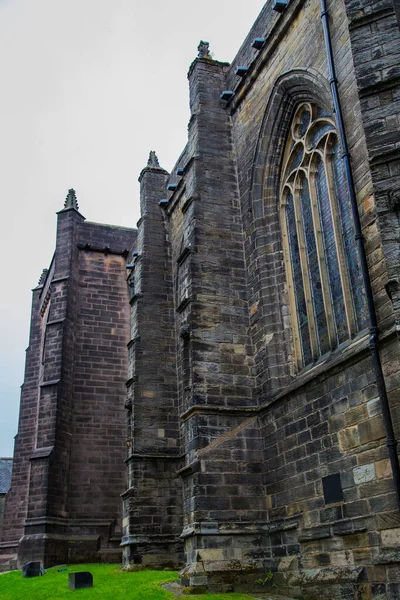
x: 322, y: 269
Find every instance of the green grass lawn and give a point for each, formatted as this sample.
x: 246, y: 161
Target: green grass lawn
x: 109, y: 583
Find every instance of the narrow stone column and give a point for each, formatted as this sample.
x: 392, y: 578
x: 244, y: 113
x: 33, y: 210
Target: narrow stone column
x: 152, y: 502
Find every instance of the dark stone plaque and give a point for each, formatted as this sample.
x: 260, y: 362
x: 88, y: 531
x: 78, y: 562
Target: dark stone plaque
x: 31, y: 569
x: 80, y: 579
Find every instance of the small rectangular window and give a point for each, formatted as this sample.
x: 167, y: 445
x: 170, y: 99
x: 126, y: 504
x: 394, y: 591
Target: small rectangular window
x: 332, y: 486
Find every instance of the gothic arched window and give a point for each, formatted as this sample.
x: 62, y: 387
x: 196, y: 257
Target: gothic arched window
x: 323, y: 273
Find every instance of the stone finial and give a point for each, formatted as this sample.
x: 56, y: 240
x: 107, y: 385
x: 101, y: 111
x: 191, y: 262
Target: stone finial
x: 71, y: 200
x: 203, y: 50
x: 153, y: 160
x: 43, y: 277
x: 153, y: 166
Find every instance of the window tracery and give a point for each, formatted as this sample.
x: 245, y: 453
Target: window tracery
x: 323, y: 274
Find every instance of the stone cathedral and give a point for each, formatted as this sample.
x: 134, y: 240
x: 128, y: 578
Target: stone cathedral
x: 218, y: 390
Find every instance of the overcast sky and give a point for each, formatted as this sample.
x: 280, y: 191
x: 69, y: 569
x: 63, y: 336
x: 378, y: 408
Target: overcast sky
x: 88, y: 88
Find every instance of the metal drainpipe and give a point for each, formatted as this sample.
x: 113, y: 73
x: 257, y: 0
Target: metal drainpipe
x: 374, y: 330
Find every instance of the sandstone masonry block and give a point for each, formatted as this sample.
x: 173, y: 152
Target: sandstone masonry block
x: 364, y: 474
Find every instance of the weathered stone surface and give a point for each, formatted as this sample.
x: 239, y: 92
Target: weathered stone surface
x: 364, y: 474
x: 240, y: 461
x: 390, y: 538
x: 68, y: 467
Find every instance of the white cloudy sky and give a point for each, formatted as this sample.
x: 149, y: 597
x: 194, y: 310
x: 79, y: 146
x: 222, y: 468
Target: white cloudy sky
x: 88, y: 87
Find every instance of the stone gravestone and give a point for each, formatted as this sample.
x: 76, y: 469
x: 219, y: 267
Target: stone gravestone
x: 80, y: 579
x: 31, y: 569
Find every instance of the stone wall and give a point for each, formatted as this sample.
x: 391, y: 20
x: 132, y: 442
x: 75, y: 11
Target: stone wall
x: 241, y: 464
x: 64, y: 502
x: 297, y: 487
x: 2, y: 502
x: 16, y: 506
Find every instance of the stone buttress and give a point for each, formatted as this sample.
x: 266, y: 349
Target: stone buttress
x: 221, y: 473
x: 49, y: 458
x: 152, y: 504
x: 245, y: 464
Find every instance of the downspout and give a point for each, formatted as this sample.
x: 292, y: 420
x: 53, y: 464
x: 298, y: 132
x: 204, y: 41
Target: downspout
x: 391, y: 441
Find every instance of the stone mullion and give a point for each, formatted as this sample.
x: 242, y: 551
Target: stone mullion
x: 321, y: 254
x: 289, y: 280
x: 347, y: 294
x: 304, y: 269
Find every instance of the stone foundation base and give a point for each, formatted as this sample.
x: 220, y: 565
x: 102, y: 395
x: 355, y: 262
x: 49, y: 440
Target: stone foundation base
x: 52, y: 549
x: 8, y: 556
x: 336, y: 583
x: 155, y: 552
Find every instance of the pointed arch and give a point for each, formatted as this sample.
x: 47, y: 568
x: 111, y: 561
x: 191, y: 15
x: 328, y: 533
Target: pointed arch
x: 290, y: 89
x: 297, y: 176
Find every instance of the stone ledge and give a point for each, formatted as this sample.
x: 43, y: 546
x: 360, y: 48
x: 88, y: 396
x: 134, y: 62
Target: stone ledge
x: 65, y: 537
x: 320, y: 533
x: 151, y: 538
x: 193, y: 467
x: 184, y: 255
x: 176, y: 196
x: 129, y: 493
x: 348, y: 528
x: 155, y: 456
x: 377, y: 15
x: 187, y: 203
x: 41, y: 453
x: 135, y: 298
x: 49, y: 383
x: 68, y: 522
x: 60, y: 279
x: 132, y: 380
x: 55, y: 322
x: 328, y: 576
x: 133, y: 341
x: 235, y: 528
x: 183, y: 305
x: 202, y: 409
x: 11, y: 544
x: 380, y: 86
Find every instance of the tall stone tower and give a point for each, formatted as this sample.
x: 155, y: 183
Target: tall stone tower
x: 64, y: 502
